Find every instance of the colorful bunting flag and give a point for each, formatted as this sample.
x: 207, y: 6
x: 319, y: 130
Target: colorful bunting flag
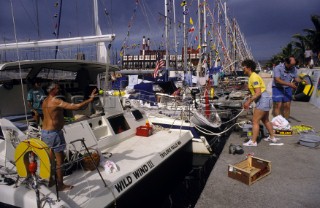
x: 191, y: 21
x: 191, y: 29
x: 186, y: 11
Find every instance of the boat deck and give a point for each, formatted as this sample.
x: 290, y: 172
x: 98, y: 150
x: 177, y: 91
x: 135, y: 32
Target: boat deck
x: 294, y: 179
x: 135, y: 158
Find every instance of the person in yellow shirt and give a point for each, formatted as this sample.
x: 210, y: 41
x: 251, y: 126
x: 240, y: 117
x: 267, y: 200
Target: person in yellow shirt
x: 263, y: 102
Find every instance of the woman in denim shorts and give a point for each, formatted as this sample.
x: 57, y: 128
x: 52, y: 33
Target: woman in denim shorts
x: 263, y: 103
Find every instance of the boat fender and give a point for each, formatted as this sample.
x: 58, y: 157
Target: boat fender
x: 40, y: 149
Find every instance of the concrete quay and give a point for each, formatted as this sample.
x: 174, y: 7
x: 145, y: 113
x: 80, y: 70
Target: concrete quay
x: 294, y: 180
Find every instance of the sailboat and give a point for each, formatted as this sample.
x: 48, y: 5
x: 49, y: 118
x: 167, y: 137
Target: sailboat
x: 134, y: 161
x: 169, y: 112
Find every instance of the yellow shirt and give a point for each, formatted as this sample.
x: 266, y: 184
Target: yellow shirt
x: 255, y: 81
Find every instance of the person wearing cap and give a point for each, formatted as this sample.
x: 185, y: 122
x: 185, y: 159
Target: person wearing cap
x: 35, y: 97
x: 52, y: 125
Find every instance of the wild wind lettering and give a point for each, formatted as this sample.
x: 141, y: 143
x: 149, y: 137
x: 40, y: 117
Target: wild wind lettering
x: 150, y: 164
x: 123, y: 184
x: 140, y: 172
x: 127, y: 181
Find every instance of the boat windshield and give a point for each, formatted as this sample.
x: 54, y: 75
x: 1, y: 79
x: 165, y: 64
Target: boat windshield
x: 50, y: 74
x: 57, y: 74
x: 13, y: 74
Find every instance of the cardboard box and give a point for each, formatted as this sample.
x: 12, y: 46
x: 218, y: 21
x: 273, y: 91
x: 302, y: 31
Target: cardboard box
x: 144, y: 131
x: 283, y: 132
x: 250, y: 170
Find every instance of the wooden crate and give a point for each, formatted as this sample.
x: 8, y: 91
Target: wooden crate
x: 250, y: 170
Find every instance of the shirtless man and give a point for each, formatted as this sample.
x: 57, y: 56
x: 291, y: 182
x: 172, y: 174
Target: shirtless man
x: 52, y: 125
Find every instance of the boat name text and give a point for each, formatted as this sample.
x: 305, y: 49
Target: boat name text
x: 167, y: 151
x: 127, y: 181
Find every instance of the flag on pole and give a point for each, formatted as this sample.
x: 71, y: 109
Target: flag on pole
x: 191, y: 29
x: 159, y: 64
x: 191, y: 21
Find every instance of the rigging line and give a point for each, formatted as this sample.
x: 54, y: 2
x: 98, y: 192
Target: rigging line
x: 77, y: 18
x: 58, y: 28
x: 192, y: 36
x: 24, y: 8
x: 49, y: 11
x: 20, y: 70
x: 107, y: 16
x: 37, y: 19
x: 162, y: 35
x: 77, y: 24
x: 144, y: 11
x: 124, y: 47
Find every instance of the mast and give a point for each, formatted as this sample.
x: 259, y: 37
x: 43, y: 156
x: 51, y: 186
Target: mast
x: 58, y: 28
x: 185, y: 47
x: 234, y: 43
x: 204, y: 25
x: 226, y: 23
x: 166, y: 37
x: 101, y: 47
x: 219, y: 32
x: 175, y: 34
x: 205, y: 33
x: 200, y: 40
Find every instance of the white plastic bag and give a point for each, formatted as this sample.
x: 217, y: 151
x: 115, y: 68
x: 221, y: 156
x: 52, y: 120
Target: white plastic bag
x: 110, y: 167
x: 280, y: 123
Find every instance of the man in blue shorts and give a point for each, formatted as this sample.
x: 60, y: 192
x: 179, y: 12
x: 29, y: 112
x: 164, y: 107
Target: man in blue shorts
x: 52, y: 125
x: 283, y: 76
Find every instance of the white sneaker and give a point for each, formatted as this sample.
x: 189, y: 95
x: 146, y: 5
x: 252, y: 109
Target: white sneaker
x: 269, y: 139
x: 250, y: 144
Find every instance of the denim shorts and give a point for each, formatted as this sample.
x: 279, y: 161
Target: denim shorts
x: 280, y: 94
x: 264, y: 103
x: 54, y: 139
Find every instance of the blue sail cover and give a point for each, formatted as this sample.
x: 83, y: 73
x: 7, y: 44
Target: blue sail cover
x: 214, y: 69
x: 120, y: 83
x: 146, y: 93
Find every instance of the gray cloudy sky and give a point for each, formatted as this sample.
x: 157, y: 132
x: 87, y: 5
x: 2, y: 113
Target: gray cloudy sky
x: 268, y: 25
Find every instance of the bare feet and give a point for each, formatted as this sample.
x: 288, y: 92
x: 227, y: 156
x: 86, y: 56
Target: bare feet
x: 65, y: 187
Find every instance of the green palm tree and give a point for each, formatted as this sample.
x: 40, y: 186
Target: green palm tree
x: 298, y: 46
x: 288, y: 50
x: 313, y: 35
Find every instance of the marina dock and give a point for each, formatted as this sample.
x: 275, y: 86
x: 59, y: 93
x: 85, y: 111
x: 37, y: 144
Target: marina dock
x: 294, y: 180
